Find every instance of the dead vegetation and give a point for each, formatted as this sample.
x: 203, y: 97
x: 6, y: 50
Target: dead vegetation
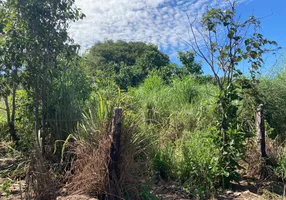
x: 91, y: 174
x: 40, y: 179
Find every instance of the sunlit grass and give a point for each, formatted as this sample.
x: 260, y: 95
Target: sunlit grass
x: 2, y: 112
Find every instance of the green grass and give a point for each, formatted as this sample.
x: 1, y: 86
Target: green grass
x: 3, y: 117
x: 176, y: 117
x: 3, y: 121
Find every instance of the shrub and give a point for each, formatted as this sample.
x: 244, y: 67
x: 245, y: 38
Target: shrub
x: 192, y: 160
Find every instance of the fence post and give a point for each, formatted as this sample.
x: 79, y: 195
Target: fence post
x: 115, y: 147
x: 261, y: 144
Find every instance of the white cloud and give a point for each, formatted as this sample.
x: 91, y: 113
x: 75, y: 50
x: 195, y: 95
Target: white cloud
x: 156, y: 21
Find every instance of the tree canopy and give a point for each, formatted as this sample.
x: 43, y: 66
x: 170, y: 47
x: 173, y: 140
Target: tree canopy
x: 127, y: 63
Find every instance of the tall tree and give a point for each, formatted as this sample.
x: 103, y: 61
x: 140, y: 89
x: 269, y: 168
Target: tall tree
x: 45, y: 23
x: 127, y: 63
x: 12, y: 58
x: 228, y: 42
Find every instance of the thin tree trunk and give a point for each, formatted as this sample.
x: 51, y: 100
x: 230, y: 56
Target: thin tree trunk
x: 11, y: 124
x: 12, y: 128
x: 7, y: 109
x: 261, y: 144
x: 44, y: 132
x: 37, y: 119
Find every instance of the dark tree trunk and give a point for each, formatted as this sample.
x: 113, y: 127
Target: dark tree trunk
x: 11, y: 119
x: 113, y: 167
x: 12, y: 128
x: 13, y: 133
x: 115, y: 148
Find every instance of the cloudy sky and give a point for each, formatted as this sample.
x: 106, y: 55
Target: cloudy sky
x: 162, y: 22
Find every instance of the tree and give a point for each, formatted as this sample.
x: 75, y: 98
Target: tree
x: 70, y: 89
x: 127, y: 63
x: 189, y: 65
x: 228, y: 42
x: 45, y: 25
x: 12, y: 47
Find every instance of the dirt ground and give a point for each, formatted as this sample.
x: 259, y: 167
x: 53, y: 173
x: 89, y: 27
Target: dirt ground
x: 164, y: 191
x: 248, y: 188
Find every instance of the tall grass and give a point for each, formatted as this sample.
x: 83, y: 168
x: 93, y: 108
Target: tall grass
x: 176, y: 118
x: 3, y: 121
x: 274, y: 93
x: 184, y: 102
x: 168, y: 130
x: 2, y: 112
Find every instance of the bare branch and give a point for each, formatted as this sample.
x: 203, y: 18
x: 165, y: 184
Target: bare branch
x: 201, y: 54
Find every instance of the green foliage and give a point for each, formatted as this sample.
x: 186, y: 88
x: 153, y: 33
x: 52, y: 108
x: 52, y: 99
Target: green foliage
x: 163, y: 163
x: 104, y: 53
x: 175, y: 117
x: 193, y: 160
x: 127, y: 63
x: 5, y: 187
x: 198, y: 163
x: 34, y: 45
x: 192, y: 128
x: 179, y: 101
x: 67, y: 97
x: 145, y: 193
x: 24, y: 121
x: 280, y: 169
x: 244, y: 42
x: 47, y: 45
x: 189, y: 65
x: 274, y: 98
x: 11, y: 62
x: 241, y: 41
x: 4, y: 131
x: 3, y: 120
x: 98, y: 111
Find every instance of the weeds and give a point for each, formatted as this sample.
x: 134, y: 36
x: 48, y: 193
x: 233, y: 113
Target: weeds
x: 5, y: 187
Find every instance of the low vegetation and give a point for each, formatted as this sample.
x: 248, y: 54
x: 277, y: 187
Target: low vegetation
x: 180, y: 126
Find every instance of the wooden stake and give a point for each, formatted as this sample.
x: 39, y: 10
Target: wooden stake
x: 115, y: 148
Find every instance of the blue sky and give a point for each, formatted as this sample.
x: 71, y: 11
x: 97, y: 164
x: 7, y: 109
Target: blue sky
x: 164, y: 22
x: 273, y: 14
x: 273, y: 23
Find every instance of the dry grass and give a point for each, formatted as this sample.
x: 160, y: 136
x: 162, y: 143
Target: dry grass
x: 90, y: 171
x: 252, y: 159
x: 41, y: 184
x: 252, y: 165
